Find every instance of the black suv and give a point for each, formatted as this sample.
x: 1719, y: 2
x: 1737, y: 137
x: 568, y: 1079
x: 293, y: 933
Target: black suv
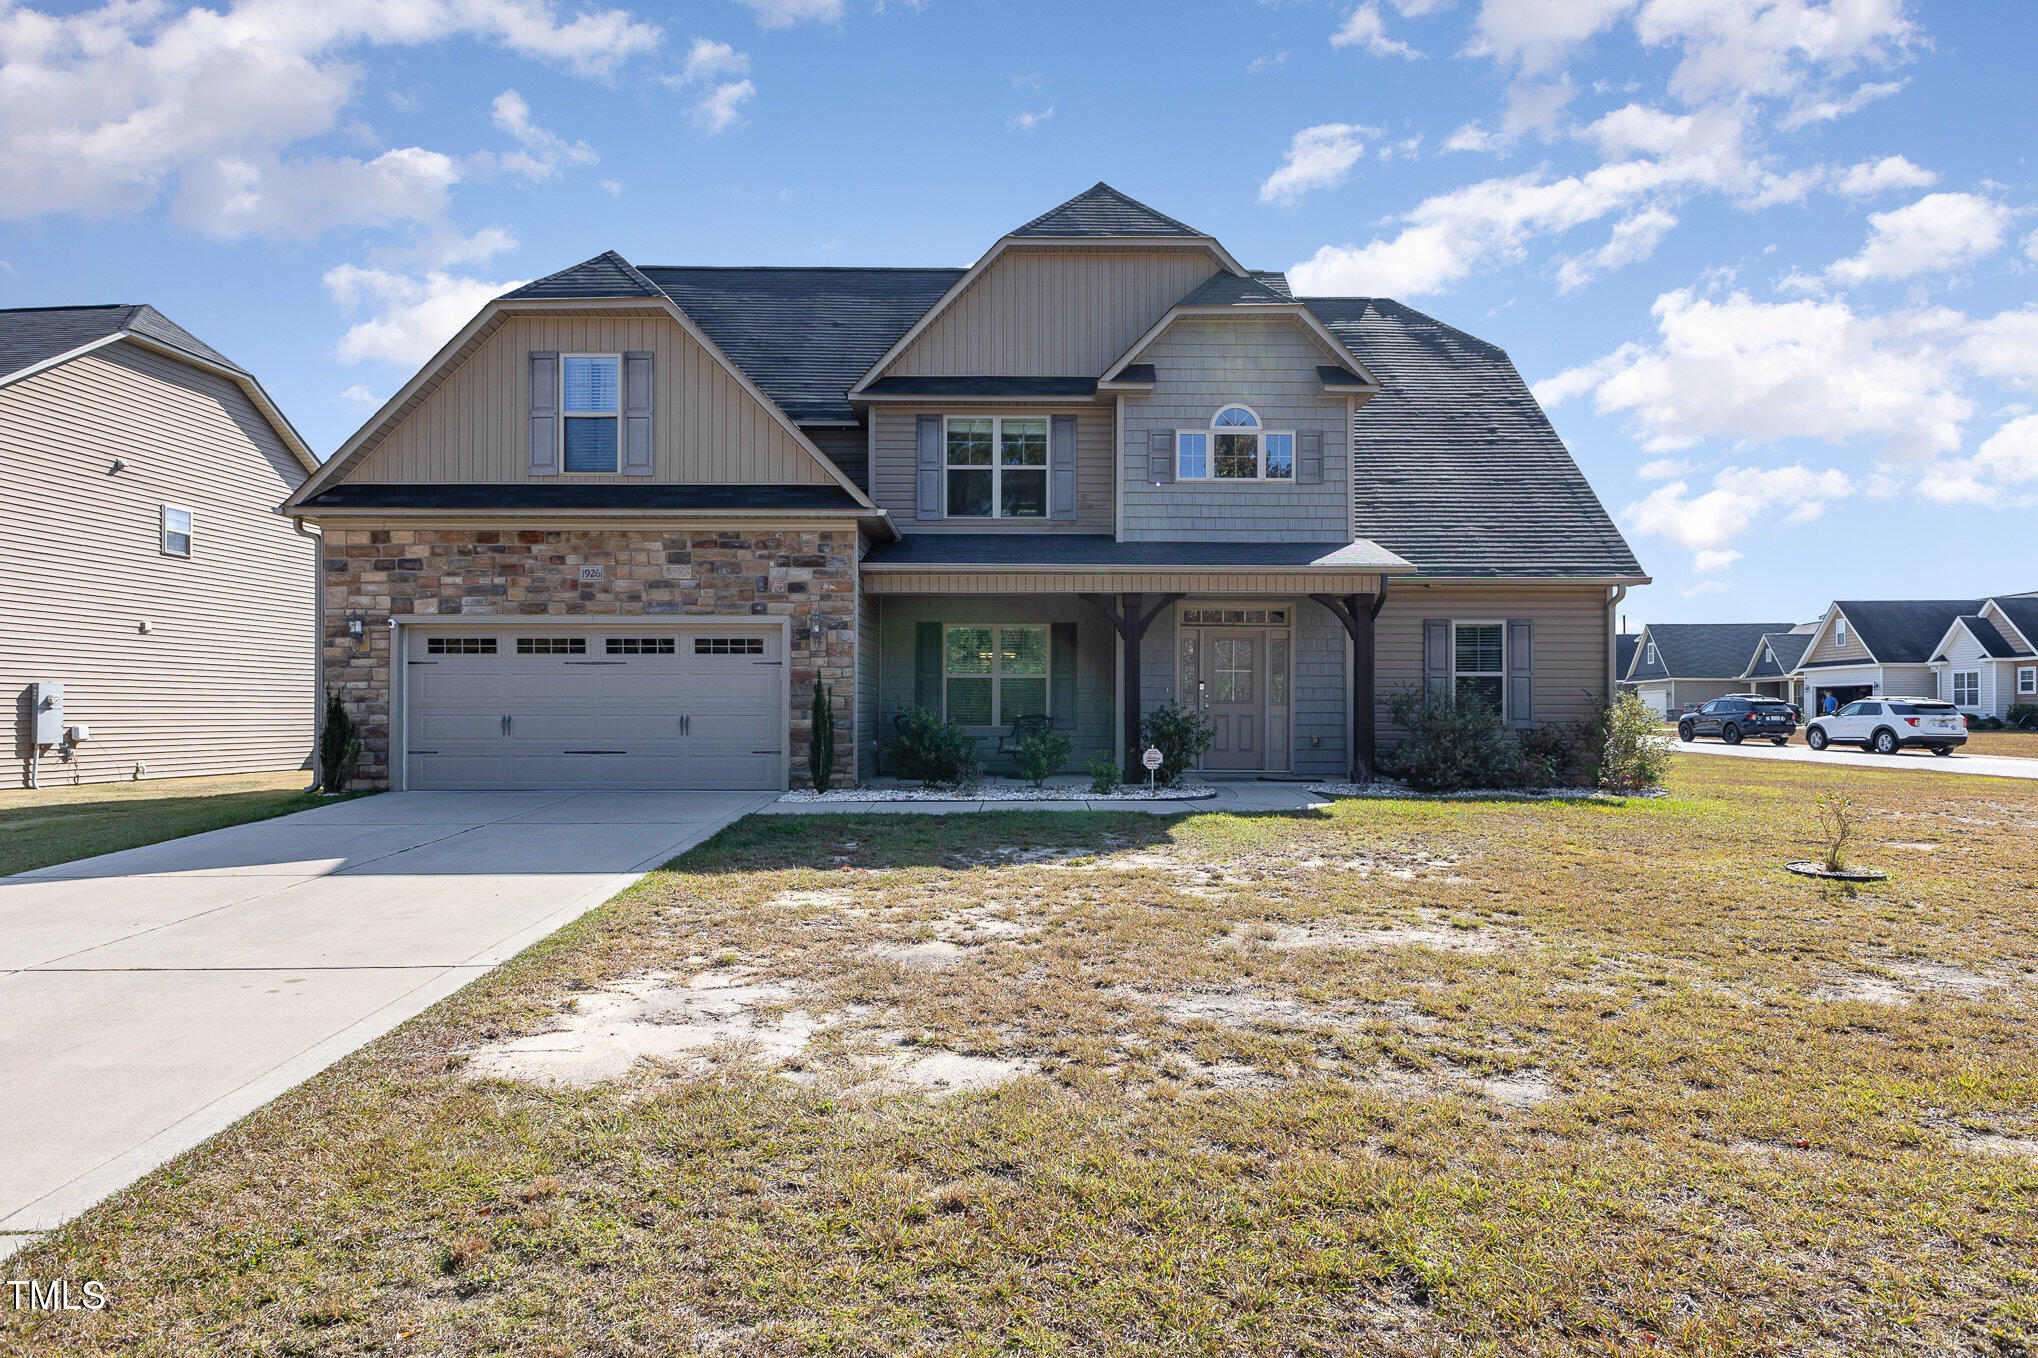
x: 1737, y: 716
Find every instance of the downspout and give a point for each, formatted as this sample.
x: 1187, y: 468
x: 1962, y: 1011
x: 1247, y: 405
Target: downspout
x: 1613, y: 600
x: 318, y: 648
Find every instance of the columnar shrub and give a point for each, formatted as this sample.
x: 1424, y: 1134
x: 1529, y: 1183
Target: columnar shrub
x: 339, y: 745
x: 821, y: 745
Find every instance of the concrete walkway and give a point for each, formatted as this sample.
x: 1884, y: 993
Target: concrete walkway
x: 152, y: 997
x: 1914, y: 761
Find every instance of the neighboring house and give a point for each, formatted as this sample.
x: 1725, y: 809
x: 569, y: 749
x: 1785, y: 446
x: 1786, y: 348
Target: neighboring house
x: 615, y: 532
x: 1625, y: 644
x: 1679, y: 663
x: 1771, y: 669
x: 145, y: 568
x: 1986, y: 662
x: 1869, y: 646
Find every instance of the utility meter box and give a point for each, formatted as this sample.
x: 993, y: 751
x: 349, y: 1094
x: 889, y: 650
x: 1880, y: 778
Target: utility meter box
x: 47, y: 700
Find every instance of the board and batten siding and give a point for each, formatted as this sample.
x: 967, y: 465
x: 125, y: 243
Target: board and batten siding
x: 222, y: 681
x: 475, y: 426
x: 1569, y: 666
x: 1201, y: 366
x: 1053, y: 312
x: 895, y: 449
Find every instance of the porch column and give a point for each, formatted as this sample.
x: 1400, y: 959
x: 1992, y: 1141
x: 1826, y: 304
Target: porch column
x: 1131, y: 619
x: 1358, y: 613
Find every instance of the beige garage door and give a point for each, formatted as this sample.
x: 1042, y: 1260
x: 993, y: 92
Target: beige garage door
x: 594, y: 707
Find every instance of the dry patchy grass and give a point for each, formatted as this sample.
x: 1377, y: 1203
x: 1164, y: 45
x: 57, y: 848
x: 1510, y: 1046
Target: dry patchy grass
x: 1407, y: 1078
x: 57, y: 823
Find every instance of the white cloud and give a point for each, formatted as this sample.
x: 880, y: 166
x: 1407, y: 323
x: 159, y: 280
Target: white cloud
x: 412, y: 318
x: 786, y: 13
x: 1713, y: 560
x: 230, y: 197
x: 1940, y: 231
x: 360, y: 394
x: 1707, y: 523
x: 1742, y: 48
x: 721, y: 108
x: 1810, y: 110
x: 1634, y: 239
x: 1704, y: 587
x: 1319, y: 157
x: 710, y: 60
x: 720, y: 74
x: 1535, y: 36
x: 2006, y: 462
x: 542, y: 154
x: 1871, y: 177
x: 1025, y: 120
x: 1273, y: 61
x: 1663, y: 468
x: 614, y: 187
x: 1366, y: 27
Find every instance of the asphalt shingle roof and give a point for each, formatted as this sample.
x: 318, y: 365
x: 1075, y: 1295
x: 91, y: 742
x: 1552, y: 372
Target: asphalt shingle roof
x: 1993, y: 643
x: 1704, y: 650
x: 1904, y: 631
x: 607, y: 275
x: 1101, y: 210
x: 1459, y: 469
x: 2023, y: 615
x: 1228, y: 289
x: 1779, y: 654
x: 1624, y: 645
x: 32, y: 335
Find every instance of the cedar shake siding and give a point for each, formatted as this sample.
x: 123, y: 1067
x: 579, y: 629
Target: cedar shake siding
x: 180, y: 665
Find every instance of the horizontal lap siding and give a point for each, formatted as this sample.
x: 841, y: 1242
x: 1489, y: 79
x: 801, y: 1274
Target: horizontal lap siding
x: 1202, y: 366
x: 1570, y: 664
x: 222, y: 681
x: 476, y: 426
x: 896, y: 453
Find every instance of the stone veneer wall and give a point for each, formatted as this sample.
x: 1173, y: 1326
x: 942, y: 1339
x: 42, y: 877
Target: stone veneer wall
x: 808, y: 575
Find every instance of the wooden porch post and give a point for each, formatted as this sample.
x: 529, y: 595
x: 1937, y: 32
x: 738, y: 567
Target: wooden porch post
x: 1131, y: 623
x: 1358, y: 620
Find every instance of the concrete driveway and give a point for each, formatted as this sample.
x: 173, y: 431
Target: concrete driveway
x: 151, y: 997
x: 1916, y: 761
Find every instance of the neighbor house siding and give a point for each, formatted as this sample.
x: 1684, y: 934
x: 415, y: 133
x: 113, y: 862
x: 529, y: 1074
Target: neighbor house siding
x: 1200, y: 367
x: 221, y: 682
x: 475, y: 427
x: 896, y: 450
x: 1825, y: 649
x: 1053, y: 313
x: 1569, y: 669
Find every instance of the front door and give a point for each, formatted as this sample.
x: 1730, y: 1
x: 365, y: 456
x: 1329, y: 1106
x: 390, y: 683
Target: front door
x: 1237, y: 690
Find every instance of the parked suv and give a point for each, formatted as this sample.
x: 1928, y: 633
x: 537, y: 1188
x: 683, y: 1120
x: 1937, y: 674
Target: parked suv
x: 1738, y: 716
x: 1886, y: 725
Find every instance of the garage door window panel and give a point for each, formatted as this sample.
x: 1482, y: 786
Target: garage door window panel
x: 551, y: 645
x: 460, y: 646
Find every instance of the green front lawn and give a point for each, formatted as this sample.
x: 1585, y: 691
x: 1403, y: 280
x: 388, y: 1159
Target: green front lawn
x: 57, y: 824
x: 1403, y: 1078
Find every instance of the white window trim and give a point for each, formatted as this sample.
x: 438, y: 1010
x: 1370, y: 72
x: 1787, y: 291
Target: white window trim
x: 1652, y: 654
x: 997, y: 676
x: 2027, y: 680
x: 1954, y: 679
x: 997, y: 470
x: 163, y: 532
x: 1260, y: 434
x: 1500, y: 674
x: 1840, y: 630
x: 616, y: 415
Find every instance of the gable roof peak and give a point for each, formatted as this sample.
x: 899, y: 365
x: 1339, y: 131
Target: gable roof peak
x: 1101, y: 210
x: 607, y: 275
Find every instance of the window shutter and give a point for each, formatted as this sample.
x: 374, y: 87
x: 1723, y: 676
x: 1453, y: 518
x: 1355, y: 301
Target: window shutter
x: 637, y: 458
x: 1309, y: 457
x: 544, y: 414
x: 1061, y: 463
x: 1521, y: 655
x: 927, y: 663
x: 1436, y: 656
x: 928, y: 481
x: 1061, y: 697
x: 1160, y: 455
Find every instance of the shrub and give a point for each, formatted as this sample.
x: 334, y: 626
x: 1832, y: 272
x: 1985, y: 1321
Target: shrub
x: 1041, y: 754
x: 1986, y: 723
x: 339, y: 745
x: 2024, y: 715
x: 933, y: 750
x: 1180, y: 735
x: 1836, y: 827
x: 1452, y: 746
x: 1556, y: 754
x: 1104, y: 776
x: 1632, y: 756
x: 821, y: 744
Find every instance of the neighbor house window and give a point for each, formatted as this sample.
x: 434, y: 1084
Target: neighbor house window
x: 591, y: 394
x: 1478, y: 663
x: 176, y: 539
x: 1652, y: 653
x: 1839, y: 631
x: 993, y: 675
x: 997, y: 467
x: 1234, y: 448
x: 2027, y: 680
x: 1967, y: 688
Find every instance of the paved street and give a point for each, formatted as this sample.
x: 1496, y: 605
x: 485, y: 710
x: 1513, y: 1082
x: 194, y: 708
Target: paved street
x: 1919, y: 761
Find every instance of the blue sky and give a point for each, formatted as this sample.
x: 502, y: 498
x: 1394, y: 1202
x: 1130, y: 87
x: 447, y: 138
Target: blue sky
x: 1768, y: 262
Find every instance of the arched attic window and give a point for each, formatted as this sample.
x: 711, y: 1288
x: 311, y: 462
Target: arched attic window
x: 1234, y: 448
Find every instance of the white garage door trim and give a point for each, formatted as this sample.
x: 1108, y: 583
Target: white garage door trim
x: 405, y: 628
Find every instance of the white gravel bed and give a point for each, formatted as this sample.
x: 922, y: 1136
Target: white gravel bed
x: 995, y: 793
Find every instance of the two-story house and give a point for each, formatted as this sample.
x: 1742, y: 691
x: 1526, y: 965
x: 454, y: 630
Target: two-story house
x: 614, y: 533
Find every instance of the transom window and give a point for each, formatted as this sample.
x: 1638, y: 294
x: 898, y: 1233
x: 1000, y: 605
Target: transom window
x: 1234, y: 448
x: 991, y: 676
x: 641, y: 645
x: 1967, y: 688
x: 176, y: 536
x: 460, y: 646
x: 997, y: 467
x: 551, y: 645
x: 1234, y: 617
x: 1478, y: 662
x: 590, y: 405
x: 728, y: 645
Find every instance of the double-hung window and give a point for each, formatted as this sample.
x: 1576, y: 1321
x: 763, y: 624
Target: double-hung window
x: 992, y: 676
x: 1478, y: 664
x: 1967, y: 688
x: 1234, y: 448
x: 2027, y: 680
x: 997, y: 467
x: 590, y: 404
x: 176, y: 531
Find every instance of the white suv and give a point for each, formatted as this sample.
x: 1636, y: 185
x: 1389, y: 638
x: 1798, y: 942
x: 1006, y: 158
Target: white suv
x: 1886, y: 725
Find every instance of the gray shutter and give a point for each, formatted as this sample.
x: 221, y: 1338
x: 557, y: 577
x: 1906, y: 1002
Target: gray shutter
x: 637, y: 459
x: 1309, y: 457
x: 1436, y: 656
x: 928, y: 480
x: 1521, y: 658
x: 927, y: 666
x: 1160, y: 455
x: 544, y: 414
x: 1061, y: 467
x: 1061, y: 696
